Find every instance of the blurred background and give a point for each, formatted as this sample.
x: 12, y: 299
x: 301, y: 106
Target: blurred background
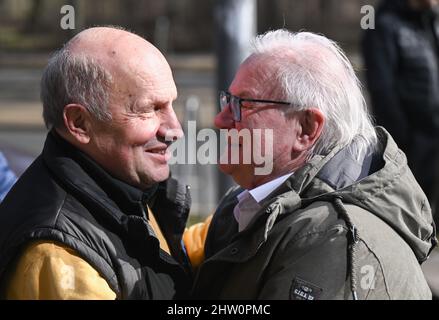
x: 192, y: 34
x: 204, y: 41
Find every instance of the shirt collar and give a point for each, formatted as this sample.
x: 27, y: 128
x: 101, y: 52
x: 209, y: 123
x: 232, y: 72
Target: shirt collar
x: 264, y: 190
x: 248, y: 201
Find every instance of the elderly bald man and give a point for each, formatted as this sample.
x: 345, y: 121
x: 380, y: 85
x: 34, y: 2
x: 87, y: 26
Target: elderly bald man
x: 77, y: 224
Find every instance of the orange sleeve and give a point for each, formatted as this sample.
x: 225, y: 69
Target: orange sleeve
x: 194, y: 238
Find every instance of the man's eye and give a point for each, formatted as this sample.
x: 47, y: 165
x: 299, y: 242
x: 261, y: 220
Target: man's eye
x: 146, y: 111
x: 246, y: 104
x: 145, y: 116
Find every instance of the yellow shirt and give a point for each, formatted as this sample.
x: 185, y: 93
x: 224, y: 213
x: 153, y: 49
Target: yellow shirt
x: 194, y: 238
x: 51, y: 271
x: 47, y: 271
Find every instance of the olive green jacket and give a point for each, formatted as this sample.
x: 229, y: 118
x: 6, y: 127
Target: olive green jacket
x: 339, y: 228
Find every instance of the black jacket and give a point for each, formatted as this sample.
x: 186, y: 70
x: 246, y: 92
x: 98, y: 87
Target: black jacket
x: 401, y: 58
x: 66, y: 197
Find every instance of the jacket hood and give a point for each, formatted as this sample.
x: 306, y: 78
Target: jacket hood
x: 382, y: 184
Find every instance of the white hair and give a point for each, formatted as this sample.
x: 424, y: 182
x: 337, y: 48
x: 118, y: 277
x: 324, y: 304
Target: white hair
x: 313, y: 72
x: 74, y: 78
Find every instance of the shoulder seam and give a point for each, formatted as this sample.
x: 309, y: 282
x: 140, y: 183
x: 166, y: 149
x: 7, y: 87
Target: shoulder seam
x: 312, y: 233
x: 64, y: 234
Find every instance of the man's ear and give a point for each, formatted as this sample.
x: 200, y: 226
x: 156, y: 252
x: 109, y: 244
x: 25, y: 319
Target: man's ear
x: 311, y: 122
x: 77, y: 122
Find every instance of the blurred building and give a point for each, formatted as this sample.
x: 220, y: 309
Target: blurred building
x: 182, y: 29
x: 177, y: 25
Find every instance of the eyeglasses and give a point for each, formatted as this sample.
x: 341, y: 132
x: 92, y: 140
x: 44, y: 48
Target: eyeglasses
x: 236, y: 103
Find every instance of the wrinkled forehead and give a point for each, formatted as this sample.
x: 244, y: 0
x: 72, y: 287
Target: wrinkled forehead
x: 144, y: 84
x: 142, y: 80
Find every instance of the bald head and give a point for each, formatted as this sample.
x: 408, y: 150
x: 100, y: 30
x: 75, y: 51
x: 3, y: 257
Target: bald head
x: 116, y: 50
x: 99, y: 66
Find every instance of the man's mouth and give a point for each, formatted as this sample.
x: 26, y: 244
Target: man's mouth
x: 158, y: 151
x: 156, y: 146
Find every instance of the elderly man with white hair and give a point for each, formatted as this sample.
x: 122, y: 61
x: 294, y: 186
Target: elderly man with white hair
x: 340, y: 216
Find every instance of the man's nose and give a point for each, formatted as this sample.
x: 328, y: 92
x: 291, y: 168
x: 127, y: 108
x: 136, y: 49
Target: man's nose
x: 170, y: 127
x: 224, y: 119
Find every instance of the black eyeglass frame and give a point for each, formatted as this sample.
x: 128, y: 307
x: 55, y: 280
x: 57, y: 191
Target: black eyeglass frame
x: 236, y: 103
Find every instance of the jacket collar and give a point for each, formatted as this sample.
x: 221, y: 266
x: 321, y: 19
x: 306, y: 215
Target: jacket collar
x: 127, y: 198
x: 108, y: 199
x: 285, y: 199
